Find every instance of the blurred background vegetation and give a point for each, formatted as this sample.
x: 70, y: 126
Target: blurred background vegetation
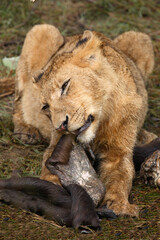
x: 112, y: 17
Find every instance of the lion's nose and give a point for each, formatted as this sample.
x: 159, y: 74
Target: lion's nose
x: 64, y: 125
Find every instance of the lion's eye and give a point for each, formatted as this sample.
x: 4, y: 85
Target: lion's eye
x: 63, y: 88
x: 46, y: 106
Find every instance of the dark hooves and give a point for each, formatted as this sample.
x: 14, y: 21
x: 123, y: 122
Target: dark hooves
x: 104, y: 212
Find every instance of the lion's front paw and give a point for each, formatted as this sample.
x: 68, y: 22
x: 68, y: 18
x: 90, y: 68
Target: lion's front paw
x: 51, y: 178
x: 27, y: 134
x: 123, y: 208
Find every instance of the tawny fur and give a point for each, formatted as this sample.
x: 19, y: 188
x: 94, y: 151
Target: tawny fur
x: 106, y: 79
x: 7, y: 86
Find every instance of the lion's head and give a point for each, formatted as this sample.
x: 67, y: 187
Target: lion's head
x: 72, y: 93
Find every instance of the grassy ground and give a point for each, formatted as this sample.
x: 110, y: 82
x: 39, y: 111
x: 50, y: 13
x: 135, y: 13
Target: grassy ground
x: 111, y: 17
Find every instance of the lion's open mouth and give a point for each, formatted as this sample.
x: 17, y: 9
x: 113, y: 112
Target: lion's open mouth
x: 88, y: 122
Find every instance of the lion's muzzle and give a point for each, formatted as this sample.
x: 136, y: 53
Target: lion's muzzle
x: 88, y: 122
x: 64, y: 125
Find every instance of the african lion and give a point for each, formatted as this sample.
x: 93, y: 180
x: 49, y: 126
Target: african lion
x: 91, y: 86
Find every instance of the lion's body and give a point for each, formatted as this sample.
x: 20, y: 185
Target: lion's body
x: 103, y: 78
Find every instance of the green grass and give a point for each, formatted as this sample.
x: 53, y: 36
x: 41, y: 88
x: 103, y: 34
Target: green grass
x: 112, y: 17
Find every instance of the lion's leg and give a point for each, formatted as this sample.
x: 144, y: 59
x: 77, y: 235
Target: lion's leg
x: 25, y: 132
x: 117, y: 173
x: 116, y: 167
x: 45, y: 173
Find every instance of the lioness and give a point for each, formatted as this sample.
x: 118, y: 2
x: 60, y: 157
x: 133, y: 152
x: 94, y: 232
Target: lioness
x: 91, y: 86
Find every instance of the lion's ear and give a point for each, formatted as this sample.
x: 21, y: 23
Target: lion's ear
x: 83, y: 42
x: 88, y: 41
x: 87, y: 50
x: 36, y: 77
